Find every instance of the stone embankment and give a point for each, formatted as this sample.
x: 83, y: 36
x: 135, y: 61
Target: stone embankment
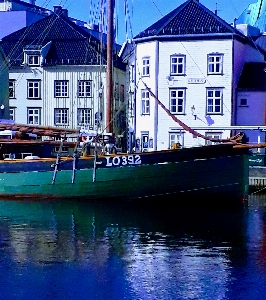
x: 257, y: 178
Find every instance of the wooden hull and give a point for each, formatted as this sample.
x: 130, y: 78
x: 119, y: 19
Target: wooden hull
x: 181, y: 172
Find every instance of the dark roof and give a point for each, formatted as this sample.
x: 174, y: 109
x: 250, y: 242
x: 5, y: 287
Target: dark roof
x: 253, y: 77
x: 70, y: 43
x: 190, y: 18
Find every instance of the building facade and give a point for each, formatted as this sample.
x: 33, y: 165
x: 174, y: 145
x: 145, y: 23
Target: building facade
x: 191, y: 61
x: 57, y: 77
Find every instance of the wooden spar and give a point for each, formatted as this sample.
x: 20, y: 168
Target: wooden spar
x: 35, y: 142
x: 37, y: 129
x: 109, y: 70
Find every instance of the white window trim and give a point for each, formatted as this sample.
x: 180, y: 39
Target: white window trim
x: 145, y: 102
x: 34, y: 85
x: 87, y: 114
x: 61, y: 88
x: 83, y: 85
x: 33, y: 60
x: 214, y: 98
x: 177, y: 99
x: 178, y: 138
x: 13, y: 87
x: 215, y: 63
x: 34, y: 114
x: 146, y: 66
x: 177, y: 64
x: 60, y: 110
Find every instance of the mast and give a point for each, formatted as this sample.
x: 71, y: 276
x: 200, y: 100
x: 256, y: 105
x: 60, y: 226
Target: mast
x: 109, y: 70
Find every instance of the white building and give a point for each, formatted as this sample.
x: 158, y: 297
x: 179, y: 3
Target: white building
x: 191, y: 60
x: 58, y: 77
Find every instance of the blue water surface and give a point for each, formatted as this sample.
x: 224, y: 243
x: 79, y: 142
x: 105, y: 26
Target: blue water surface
x: 102, y: 250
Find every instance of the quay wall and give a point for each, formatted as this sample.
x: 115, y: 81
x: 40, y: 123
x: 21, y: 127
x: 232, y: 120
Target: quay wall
x: 257, y: 178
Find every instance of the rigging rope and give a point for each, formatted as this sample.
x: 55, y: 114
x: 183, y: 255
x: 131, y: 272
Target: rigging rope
x: 235, y: 139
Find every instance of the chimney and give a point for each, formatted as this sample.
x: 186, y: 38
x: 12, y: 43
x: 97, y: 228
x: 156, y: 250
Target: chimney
x: 57, y: 9
x: 64, y: 13
x: 60, y: 11
x: 32, y: 2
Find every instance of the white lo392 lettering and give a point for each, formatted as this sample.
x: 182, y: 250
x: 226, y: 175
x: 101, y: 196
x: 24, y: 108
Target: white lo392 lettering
x: 123, y: 160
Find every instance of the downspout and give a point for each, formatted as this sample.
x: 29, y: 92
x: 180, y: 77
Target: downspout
x: 155, y: 138
x: 233, y: 92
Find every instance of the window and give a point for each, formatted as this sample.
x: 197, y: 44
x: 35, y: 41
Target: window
x: 243, y: 102
x: 145, y: 102
x: 61, y: 88
x: 84, y: 88
x: 214, y: 101
x: 33, y: 60
x: 214, y: 135
x: 61, y: 116
x: 176, y: 138
x: 177, y: 101
x: 84, y: 116
x: 34, y: 89
x: 12, y: 84
x: 12, y: 113
x: 34, y: 116
x: 146, y: 66
x: 177, y: 64
x: 215, y: 64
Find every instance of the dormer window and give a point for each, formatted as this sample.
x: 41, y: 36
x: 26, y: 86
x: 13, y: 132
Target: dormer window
x: 32, y: 55
x: 33, y: 60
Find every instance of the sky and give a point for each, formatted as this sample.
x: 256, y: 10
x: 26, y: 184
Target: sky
x: 143, y: 13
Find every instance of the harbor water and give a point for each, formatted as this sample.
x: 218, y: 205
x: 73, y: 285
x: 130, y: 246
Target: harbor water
x: 99, y: 251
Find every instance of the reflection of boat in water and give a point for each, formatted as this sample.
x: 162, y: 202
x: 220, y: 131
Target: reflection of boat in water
x: 67, y: 230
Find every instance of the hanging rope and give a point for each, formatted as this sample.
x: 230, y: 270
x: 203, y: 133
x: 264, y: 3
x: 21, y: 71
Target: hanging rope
x: 235, y: 139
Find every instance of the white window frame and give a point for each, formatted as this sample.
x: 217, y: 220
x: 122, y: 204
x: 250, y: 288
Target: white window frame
x: 215, y: 63
x: 214, y: 103
x: 12, y: 111
x: 177, y: 100
x: 216, y: 135
x: 146, y: 66
x: 34, y: 116
x: 33, y: 59
x: 84, y: 116
x: 61, y: 116
x: 176, y: 137
x: 34, y: 89
x: 61, y: 88
x: 145, y: 102
x: 177, y: 64
x: 12, y: 90
x: 84, y: 88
